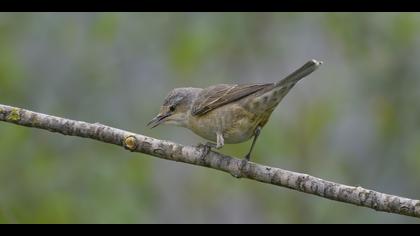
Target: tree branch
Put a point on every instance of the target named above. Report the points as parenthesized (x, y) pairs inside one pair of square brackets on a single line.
[(188, 154)]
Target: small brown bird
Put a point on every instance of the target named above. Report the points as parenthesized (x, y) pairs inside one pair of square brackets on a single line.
[(227, 113)]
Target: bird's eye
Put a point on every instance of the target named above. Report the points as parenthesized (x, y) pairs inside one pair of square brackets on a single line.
[(172, 108)]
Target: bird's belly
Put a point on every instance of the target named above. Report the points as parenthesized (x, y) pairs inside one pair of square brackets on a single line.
[(235, 123), (242, 131)]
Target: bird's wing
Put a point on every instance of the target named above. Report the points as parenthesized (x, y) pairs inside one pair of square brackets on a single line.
[(218, 95)]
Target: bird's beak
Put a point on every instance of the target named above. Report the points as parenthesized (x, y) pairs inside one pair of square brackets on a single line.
[(159, 119)]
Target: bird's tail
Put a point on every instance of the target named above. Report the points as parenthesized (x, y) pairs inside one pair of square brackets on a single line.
[(300, 73)]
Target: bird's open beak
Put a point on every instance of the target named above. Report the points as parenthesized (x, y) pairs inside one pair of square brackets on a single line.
[(159, 119)]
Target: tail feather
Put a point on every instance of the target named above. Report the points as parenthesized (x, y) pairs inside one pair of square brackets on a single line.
[(300, 73), (268, 99)]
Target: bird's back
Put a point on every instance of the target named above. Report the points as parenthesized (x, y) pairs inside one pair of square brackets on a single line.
[(218, 95)]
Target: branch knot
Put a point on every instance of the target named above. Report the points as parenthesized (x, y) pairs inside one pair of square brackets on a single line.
[(130, 143)]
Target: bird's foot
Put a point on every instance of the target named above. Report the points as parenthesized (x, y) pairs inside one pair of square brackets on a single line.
[(242, 169), (243, 165), (211, 145), (205, 149), (244, 162)]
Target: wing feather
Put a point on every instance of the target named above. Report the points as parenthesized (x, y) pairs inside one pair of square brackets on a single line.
[(218, 95)]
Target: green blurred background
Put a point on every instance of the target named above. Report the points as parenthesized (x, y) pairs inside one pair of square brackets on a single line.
[(355, 121)]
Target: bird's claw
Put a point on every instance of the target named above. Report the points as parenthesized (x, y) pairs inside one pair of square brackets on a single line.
[(205, 149), (241, 171), (244, 162), (210, 145)]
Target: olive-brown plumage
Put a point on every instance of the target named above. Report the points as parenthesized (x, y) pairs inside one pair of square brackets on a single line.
[(228, 113)]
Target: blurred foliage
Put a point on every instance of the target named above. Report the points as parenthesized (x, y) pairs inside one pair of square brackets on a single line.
[(354, 121)]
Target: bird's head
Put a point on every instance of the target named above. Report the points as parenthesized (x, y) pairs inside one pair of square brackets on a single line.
[(176, 107)]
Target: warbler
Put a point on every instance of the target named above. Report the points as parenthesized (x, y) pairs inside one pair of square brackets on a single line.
[(227, 113)]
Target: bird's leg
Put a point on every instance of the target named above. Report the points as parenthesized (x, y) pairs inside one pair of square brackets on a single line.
[(256, 134), (205, 149), (220, 140), (248, 155)]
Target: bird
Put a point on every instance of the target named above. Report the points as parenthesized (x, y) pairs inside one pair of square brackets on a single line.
[(227, 113)]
